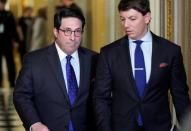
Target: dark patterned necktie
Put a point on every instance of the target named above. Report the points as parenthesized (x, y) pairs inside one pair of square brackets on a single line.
[(140, 74), (72, 86)]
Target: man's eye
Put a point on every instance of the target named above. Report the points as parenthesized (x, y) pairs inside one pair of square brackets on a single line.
[(67, 31), (122, 19), (79, 31), (132, 19)]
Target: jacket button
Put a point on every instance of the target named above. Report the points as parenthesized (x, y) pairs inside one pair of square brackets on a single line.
[(65, 126)]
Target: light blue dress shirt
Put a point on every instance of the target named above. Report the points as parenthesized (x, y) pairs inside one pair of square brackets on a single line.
[(146, 47)]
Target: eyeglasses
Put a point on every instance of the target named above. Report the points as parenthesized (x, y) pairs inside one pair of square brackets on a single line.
[(68, 32)]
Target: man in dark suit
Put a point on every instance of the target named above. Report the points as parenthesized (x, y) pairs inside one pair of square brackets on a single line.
[(42, 96), (131, 93), (8, 34), (25, 24)]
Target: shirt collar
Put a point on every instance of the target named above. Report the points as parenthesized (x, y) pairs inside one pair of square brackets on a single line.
[(62, 55), (146, 38)]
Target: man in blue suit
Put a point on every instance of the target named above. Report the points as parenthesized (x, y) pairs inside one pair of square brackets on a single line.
[(42, 95), (134, 75)]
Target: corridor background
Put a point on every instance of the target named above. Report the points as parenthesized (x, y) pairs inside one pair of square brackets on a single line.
[(170, 19)]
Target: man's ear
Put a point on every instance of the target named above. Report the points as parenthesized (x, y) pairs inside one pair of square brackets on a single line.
[(147, 17), (55, 31)]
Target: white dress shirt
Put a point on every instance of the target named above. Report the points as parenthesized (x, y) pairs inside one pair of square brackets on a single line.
[(74, 61), (146, 47)]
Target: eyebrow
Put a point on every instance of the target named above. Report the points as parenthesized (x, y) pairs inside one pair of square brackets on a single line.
[(128, 16), (70, 28)]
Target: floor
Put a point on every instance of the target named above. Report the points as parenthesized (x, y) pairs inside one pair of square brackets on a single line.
[(9, 119)]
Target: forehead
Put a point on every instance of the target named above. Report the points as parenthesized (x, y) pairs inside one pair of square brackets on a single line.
[(130, 12), (71, 22)]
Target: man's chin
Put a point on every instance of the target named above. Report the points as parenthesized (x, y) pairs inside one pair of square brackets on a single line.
[(131, 36), (71, 51)]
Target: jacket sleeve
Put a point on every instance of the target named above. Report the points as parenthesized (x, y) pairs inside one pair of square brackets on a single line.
[(179, 87), (102, 95), (23, 95)]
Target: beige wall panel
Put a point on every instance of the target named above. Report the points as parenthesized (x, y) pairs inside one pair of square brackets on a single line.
[(155, 15), (98, 24)]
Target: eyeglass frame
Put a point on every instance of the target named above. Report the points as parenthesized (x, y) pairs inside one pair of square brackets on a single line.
[(71, 31)]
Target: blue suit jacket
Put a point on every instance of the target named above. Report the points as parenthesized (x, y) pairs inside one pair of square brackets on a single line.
[(116, 101), (40, 93)]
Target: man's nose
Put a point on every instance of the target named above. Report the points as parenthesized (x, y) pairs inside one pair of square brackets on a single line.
[(72, 36), (126, 24)]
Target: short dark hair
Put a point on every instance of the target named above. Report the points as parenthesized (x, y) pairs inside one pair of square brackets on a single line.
[(65, 12), (3, 1), (27, 8), (142, 6)]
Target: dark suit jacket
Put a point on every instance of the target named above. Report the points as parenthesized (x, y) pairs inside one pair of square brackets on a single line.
[(116, 102), (10, 33), (40, 93)]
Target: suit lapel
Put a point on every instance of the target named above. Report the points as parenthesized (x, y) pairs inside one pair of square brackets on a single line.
[(126, 59), (54, 61), (84, 65), (156, 53)]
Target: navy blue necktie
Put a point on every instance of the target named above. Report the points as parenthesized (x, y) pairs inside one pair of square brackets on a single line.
[(140, 74), (72, 85)]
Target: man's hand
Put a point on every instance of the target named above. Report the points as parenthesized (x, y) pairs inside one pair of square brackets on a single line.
[(39, 127)]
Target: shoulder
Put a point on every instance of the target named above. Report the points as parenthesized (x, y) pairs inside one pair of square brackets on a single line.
[(8, 14), (115, 45), (88, 54), (21, 19), (87, 51), (165, 43), (38, 55)]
